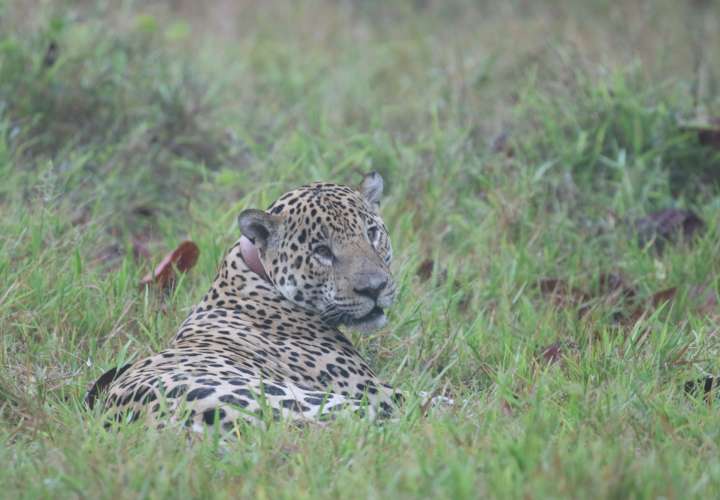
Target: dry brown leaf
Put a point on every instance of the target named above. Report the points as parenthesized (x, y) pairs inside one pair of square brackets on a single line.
[(655, 301), (506, 408), (668, 225), (663, 296), (555, 352), (183, 258), (708, 132), (552, 353), (425, 270), (702, 300)]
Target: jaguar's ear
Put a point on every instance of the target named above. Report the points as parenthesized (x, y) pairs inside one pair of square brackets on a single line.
[(372, 189), (260, 227)]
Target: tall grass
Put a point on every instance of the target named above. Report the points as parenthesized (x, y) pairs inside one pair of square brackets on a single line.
[(154, 123)]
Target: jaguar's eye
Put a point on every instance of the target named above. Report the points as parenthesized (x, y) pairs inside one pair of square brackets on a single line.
[(373, 234), (324, 254)]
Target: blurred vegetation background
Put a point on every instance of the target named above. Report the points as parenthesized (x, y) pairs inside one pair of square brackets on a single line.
[(524, 145)]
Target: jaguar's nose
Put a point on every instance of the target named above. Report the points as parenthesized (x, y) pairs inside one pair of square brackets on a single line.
[(370, 285)]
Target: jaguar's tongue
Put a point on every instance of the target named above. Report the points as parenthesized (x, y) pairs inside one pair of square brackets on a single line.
[(252, 258)]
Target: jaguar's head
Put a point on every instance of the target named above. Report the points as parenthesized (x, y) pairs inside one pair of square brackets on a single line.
[(325, 248)]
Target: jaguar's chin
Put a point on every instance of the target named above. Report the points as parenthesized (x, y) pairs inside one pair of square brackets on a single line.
[(373, 320), (369, 322)]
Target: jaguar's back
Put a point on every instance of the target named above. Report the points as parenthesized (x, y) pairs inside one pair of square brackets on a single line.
[(264, 338)]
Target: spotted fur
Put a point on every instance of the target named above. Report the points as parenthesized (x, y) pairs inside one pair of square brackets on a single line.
[(259, 345)]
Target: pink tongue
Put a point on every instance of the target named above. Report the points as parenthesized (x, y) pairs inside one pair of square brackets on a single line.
[(251, 257)]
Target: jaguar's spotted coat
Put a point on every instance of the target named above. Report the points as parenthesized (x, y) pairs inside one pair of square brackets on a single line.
[(265, 337)]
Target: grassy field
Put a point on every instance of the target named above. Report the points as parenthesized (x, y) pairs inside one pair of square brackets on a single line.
[(518, 141)]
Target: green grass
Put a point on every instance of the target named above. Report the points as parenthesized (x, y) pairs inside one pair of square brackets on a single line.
[(161, 124)]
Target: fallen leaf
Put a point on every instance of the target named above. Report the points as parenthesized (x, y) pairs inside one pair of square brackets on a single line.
[(663, 296), (183, 258), (668, 225), (655, 301), (611, 290), (708, 132), (702, 300), (555, 352), (506, 409), (425, 270), (552, 353)]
